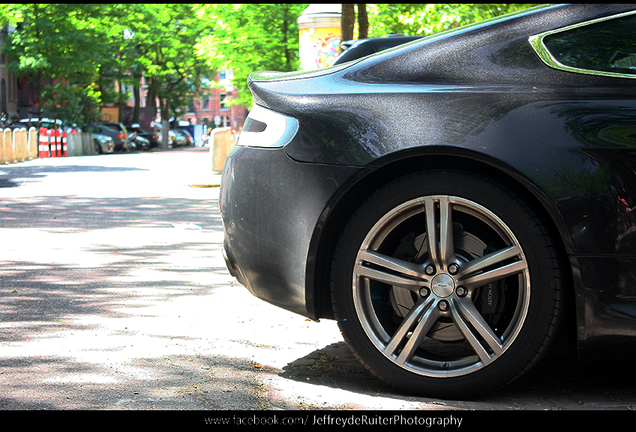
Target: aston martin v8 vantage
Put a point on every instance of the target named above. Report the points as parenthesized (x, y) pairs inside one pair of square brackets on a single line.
[(455, 202)]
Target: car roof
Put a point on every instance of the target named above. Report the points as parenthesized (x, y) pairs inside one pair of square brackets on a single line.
[(44, 120), (477, 50)]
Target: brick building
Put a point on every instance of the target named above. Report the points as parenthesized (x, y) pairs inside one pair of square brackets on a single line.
[(210, 108)]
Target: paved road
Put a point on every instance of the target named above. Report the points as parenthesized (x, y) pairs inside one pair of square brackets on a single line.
[(114, 296)]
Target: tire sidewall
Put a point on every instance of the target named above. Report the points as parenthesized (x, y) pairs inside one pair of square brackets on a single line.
[(544, 291)]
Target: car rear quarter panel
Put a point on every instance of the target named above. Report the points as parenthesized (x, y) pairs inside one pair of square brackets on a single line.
[(577, 148), (574, 149)]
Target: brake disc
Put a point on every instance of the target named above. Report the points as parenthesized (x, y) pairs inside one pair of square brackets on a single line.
[(467, 248)]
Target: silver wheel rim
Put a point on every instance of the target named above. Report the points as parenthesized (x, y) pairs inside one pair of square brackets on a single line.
[(432, 313)]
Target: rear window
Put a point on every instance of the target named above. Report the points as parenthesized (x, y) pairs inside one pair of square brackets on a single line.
[(606, 46)]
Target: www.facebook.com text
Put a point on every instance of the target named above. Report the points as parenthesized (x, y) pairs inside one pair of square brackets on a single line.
[(340, 420)]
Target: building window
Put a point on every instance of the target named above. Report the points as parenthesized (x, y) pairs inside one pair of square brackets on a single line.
[(222, 104)]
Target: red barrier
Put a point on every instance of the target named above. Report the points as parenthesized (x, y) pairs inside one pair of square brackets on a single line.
[(53, 143), (43, 144), (58, 143), (64, 149)]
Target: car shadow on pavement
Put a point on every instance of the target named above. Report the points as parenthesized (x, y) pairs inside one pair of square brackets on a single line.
[(560, 382), (335, 366)]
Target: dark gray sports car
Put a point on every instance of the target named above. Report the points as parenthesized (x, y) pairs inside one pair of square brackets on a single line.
[(455, 202)]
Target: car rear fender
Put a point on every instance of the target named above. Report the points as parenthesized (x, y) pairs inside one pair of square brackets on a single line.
[(353, 193)]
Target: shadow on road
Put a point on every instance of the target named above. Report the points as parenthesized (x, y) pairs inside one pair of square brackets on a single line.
[(79, 213), (169, 383), (559, 382)]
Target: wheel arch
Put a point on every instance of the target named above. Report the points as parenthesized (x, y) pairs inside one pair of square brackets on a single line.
[(351, 195)]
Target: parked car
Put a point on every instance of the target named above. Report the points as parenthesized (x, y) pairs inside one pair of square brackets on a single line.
[(102, 144), (116, 131), (122, 132), (152, 137), (454, 203), (16, 125), (176, 138), (138, 142), (47, 123), (359, 48), (185, 136)]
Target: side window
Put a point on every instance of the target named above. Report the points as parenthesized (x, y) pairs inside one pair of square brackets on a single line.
[(606, 46)]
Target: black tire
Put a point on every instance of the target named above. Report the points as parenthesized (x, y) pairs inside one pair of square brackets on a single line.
[(459, 322)]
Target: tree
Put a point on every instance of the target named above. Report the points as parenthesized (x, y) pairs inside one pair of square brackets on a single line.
[(424, 19), (77, 105), (52, 41), (348, 20), (363, 21), (380, 20), (174, 66), (98, 45), (119, 59), (251, 37)]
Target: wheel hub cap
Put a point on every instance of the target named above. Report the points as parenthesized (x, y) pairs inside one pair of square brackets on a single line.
[(442, 285)]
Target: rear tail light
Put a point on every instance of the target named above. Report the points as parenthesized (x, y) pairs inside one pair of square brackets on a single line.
[(267, 128)]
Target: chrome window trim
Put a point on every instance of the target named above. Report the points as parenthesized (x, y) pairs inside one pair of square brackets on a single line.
[(544, 54)]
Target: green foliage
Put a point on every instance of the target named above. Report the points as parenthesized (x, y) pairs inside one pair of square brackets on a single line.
[(250, 37), (52, 40), (425, 19), (75, 105), (98, 45), (174, 62)]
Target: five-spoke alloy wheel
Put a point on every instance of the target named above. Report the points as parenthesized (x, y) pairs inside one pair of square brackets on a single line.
[(446, 284)]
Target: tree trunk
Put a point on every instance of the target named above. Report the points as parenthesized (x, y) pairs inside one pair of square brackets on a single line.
[(39, 74), (120, 97), (165, 123), (347, 21), (363, 21), (151, 97), (288, 55), (137, 96)]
